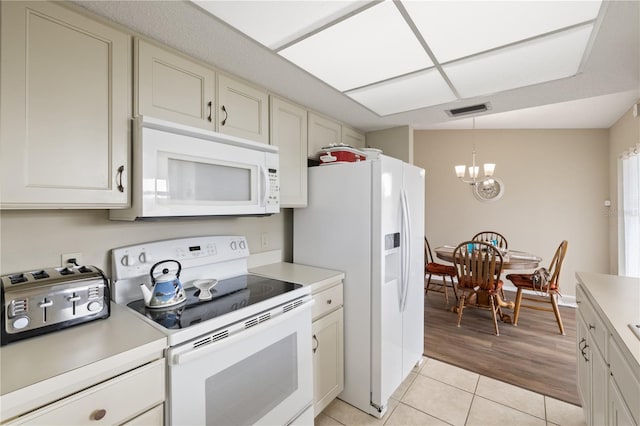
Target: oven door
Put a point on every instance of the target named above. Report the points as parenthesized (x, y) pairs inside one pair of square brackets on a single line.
[(262, 374)]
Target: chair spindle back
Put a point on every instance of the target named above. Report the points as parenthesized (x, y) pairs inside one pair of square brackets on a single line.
[(479, 268)]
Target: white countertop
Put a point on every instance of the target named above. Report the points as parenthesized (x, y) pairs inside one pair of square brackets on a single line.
[(299, 274), (617, 300), (41, 369)]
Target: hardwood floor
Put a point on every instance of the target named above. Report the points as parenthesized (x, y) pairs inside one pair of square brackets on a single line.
[(532, 355)]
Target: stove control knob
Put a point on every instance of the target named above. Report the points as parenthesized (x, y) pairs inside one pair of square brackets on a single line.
[(127, 260), (143, 258), (20, 323), (243, 245), (234, 245), (94, 306)]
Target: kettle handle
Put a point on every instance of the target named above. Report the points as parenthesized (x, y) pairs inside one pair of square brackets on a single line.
[(153, 280)]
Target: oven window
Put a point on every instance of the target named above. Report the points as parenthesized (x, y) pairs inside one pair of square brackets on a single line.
[(243, 393), (196, 181)]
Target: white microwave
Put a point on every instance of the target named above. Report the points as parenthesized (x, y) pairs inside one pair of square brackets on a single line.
[(182, 171)]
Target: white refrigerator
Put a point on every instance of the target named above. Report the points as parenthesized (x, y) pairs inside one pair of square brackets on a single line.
[(367, 219)]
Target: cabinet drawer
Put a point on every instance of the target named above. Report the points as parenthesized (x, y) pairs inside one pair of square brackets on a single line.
[(153, 417), (596, 327), (624, 377), (110, 402), (326, 301)]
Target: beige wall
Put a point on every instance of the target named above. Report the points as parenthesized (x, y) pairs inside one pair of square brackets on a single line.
[(622, 135), (31, 239), (396, 142), (556, 182)]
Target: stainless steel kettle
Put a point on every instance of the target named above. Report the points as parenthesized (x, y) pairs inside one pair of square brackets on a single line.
[(166, 289)]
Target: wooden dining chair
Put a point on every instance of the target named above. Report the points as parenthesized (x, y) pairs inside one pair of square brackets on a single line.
[(550, 289), (440, 270), (478, 272), (488, 236)]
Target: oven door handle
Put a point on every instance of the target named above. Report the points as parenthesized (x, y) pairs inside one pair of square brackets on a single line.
[(190, 355)]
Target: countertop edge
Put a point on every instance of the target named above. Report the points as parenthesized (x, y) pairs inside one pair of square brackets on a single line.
[(623, 343), (31, 397)]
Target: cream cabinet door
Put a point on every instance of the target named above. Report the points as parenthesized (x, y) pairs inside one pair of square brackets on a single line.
[(171, 87), (619, 415), (322, 132), (289, 133), (65, 109), (328, 359), (352, 137), (243, 110)]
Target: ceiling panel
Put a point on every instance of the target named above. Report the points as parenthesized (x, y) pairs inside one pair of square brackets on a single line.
[(275, 23), (419, 90), (539, 60), (366, 48), (456, 29)]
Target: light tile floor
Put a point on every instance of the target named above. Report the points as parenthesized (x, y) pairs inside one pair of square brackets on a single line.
[(436, 393)]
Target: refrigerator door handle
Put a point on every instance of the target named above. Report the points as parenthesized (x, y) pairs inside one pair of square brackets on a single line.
[(406, 249)]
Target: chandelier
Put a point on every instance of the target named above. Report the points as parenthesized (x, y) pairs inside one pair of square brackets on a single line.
[(474, 170)]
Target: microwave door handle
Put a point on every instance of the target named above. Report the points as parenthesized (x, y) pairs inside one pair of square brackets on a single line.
[(265, 180)]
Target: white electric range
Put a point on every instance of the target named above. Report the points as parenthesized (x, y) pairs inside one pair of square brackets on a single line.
[(242, 357)]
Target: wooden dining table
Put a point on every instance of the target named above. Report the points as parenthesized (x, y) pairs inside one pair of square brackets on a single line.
[(512, 259)]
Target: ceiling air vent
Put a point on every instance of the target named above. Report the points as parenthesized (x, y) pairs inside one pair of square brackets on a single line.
[(471, 109)]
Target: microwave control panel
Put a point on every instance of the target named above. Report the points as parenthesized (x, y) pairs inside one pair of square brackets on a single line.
[(273, 193)]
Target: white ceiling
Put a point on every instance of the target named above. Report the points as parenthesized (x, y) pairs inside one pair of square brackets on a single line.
[(423, 53), (606, 86)]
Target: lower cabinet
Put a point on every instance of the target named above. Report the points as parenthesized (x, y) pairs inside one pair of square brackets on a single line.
[(135, 397), (328, 346), (619, 414), (607, 384), (328, 365)]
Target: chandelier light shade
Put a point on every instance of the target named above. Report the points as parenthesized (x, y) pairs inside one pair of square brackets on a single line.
[(474, 171)]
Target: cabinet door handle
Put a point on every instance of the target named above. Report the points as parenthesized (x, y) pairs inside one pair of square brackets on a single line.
[(226, 115), (583, 340), (315, 339), (98, 414), (210, 106), (584, 355), (591, 326), (119, 178)]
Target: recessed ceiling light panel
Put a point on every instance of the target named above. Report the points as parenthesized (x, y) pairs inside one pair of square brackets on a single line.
[(540, 60), (371, 46), (275, 23), (456, 29), (406, 93)]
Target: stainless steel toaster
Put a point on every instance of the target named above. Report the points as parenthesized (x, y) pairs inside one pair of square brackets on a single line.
[(46, 300)]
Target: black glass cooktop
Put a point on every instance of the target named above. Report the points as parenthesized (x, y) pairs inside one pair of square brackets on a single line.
[(228, 295)]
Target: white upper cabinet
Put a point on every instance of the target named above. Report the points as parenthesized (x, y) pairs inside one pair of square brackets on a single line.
[(289, 133), (171, 87), (322, 132), (65, 109), (352, 137), (243, 110)]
